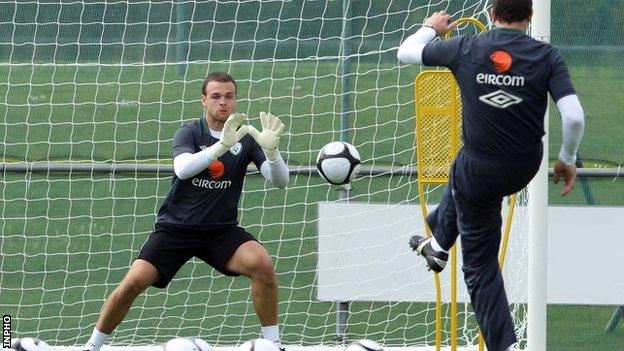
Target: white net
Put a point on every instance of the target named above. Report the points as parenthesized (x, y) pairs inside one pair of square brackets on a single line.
[(108, 82)]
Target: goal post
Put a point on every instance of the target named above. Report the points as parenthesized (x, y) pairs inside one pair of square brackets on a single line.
[(538, 212)]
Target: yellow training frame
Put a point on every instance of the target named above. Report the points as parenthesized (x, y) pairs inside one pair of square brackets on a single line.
[(438, 131)]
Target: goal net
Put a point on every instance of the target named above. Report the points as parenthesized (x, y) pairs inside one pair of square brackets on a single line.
[(91, 93)]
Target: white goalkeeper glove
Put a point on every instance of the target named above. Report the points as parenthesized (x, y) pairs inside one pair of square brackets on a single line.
[(188, 165), (231, 134), (268, 139)]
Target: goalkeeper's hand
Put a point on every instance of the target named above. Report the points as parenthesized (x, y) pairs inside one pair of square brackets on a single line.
[(272, 130), (231, 134)]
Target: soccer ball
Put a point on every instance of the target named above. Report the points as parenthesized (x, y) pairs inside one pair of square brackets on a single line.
[(30, 344), (364, 345), (338, 162), (187, 344), (259, 345)]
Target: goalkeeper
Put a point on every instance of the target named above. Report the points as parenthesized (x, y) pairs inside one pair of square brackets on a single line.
[(198, 218), (505, 77)]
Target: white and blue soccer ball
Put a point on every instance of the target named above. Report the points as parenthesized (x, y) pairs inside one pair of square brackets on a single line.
[(364, 345), (338, 162), (187, 344), (258, 345), (30, 344)]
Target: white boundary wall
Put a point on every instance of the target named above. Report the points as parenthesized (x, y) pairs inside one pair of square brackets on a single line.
[(363, 255)]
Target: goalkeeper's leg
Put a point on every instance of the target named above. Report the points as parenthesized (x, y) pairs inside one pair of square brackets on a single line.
[(141, 275), (252, 260)]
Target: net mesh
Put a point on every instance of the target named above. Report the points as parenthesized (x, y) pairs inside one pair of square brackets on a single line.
[(109, 82), (438, 124)]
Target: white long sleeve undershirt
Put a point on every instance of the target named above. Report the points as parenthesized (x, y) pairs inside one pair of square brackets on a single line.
[(572, 127), (275, 171), (187, 165), (410, 50)]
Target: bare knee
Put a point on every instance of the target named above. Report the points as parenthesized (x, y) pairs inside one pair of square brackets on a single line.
[(265, 272), (130, 288)]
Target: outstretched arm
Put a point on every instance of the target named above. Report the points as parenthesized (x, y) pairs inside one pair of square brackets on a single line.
[(274, 168)]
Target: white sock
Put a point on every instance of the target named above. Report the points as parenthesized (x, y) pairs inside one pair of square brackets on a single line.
[(97, 340), (436, 246), (272, 333)]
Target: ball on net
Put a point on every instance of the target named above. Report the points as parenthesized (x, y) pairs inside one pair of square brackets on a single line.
[(338, 162)]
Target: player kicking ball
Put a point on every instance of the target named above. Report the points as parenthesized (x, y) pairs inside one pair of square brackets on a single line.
[(198, 218), (505, 77)]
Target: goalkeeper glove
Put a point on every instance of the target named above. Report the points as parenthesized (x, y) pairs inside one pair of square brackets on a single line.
[(231, 134), (268, 139)]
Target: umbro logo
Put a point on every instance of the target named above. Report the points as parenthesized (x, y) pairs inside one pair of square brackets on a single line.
[(500, 99)]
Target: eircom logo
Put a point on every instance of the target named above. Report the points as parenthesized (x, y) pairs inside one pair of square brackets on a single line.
[(211, 184), (216, 170)]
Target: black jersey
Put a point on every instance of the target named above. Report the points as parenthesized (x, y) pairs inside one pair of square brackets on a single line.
[(504, 77), (210, 198)]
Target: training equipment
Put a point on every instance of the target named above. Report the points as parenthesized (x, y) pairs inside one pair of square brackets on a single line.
[(30, 344), (364, 345), (187, 344), (259, 345), (338, 162)]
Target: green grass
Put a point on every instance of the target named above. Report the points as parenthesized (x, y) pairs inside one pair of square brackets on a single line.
[(566, 332), (67, 240)]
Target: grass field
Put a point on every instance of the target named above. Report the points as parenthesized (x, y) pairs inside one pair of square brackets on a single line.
[(67, 239)]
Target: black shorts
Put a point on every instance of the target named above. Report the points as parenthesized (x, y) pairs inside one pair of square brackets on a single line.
[(169, 247)]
